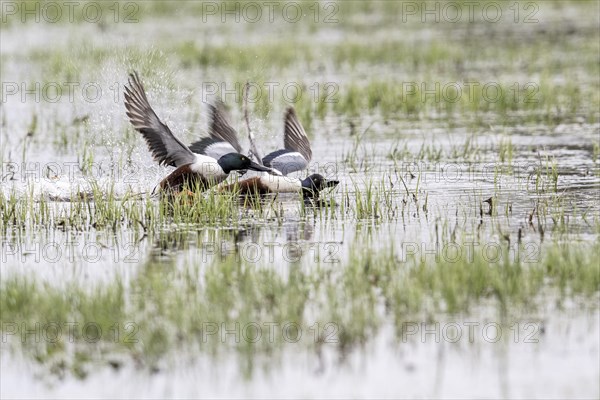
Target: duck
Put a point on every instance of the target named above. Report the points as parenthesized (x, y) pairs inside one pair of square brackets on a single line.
[(309, 187), (295, 156), (191, 169)]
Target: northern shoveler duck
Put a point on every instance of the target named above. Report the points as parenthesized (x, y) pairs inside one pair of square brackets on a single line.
[(203, 170), (310, 187), (295, 156)]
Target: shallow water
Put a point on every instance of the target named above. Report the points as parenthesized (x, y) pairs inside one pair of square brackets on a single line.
[(517, 361)]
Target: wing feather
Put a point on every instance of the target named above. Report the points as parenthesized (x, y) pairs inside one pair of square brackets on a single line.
[(294, 136), (220, 128), (164, 146)]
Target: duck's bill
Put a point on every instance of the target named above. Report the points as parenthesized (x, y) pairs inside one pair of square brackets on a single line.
[(257, 167), (331, 184)]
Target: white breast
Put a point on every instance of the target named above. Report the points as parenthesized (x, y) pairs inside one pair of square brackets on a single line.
[(281, 184), (208, 167)]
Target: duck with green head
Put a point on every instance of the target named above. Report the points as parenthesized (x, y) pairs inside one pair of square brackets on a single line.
[(191, 169), (295, 156)]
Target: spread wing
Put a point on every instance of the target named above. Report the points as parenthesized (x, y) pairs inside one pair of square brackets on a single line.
[(220, 128), (296, 153), (164, 146), (223, 138), (294, 136)]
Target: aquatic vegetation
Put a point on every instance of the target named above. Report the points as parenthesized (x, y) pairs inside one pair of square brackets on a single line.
[(166, 305)]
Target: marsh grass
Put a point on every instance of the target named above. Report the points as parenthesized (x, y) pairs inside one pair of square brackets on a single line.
[(362, 196), (169, 307), (467, 150), (426, 99)]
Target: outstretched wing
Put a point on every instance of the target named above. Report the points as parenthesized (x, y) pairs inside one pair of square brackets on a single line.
[(223, 138), (296, 153), (220, 128), (164, 146), (294, 136)]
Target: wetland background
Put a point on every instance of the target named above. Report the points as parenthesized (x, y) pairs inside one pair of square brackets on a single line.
[(458, 257)]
